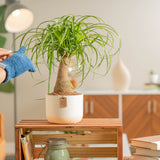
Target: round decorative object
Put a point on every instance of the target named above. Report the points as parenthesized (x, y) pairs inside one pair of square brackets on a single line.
[(56, 149), (74, 71), (121, 76), (64, 109)]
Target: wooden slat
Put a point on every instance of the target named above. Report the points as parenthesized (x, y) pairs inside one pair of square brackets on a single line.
[(120, 144), (100, 129), (18, 145), (92, 152), (95, 138), (85, 123)]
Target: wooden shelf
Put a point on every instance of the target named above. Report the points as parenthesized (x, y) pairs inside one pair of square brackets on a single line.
[(94, 131)]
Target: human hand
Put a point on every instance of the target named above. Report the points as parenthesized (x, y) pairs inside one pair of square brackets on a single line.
[(17, 64), (4, 54)]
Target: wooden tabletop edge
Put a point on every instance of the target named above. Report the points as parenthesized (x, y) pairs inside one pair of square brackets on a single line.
[(86, 122)]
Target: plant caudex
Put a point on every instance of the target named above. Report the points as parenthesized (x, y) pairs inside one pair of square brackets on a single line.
[(88, 39)]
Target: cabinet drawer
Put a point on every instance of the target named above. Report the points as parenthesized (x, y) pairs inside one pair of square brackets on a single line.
[(101, 106)]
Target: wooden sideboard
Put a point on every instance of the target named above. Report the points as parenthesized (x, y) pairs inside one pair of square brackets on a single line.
[(139, 110)]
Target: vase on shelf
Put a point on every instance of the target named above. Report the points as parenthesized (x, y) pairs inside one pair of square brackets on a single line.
[(121, 76)]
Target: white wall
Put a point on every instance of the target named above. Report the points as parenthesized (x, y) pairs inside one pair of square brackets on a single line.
[(138, 23)]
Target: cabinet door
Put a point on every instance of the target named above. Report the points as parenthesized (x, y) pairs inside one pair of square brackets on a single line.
[(156, 114), (137, 115), (101, 106)]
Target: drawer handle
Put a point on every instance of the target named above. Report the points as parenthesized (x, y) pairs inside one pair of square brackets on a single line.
[(92, 107), (86, 107), (154, 106), (149, 107)]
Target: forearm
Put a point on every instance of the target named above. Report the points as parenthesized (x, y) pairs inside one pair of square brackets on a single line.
[(3, 74)]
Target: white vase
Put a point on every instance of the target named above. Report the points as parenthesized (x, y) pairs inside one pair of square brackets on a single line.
[(64, 109), (120, 76), (154, 78)]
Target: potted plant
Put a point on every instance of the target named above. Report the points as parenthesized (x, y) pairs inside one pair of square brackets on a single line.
[(153, 77), (88, 40)]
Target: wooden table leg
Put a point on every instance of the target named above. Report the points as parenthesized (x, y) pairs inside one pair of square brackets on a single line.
[(17, 144), (120, 144)]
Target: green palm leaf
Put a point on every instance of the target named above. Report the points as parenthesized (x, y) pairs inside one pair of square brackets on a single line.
[(82, 37)]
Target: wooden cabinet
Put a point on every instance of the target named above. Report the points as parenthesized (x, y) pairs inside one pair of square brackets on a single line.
[(101, 106), (140, 112), (155, 114), (141, 115)]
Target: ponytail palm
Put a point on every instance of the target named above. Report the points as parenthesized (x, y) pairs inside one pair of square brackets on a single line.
[(88, 39)]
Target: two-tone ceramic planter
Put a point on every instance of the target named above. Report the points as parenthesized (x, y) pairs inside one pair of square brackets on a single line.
[(64, 109)]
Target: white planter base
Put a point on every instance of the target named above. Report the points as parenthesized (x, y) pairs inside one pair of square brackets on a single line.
[(64, 109), (64, 120)]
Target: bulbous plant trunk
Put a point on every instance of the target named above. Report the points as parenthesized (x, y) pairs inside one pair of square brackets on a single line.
[(63, 85)]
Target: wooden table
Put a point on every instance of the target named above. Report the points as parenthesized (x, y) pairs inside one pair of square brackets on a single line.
[(90, 131)]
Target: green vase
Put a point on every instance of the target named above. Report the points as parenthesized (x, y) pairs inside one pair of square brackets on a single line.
[(56, 149)]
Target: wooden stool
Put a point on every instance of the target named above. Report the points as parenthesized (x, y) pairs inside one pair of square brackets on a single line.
[(2, 139), (88, 131)]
